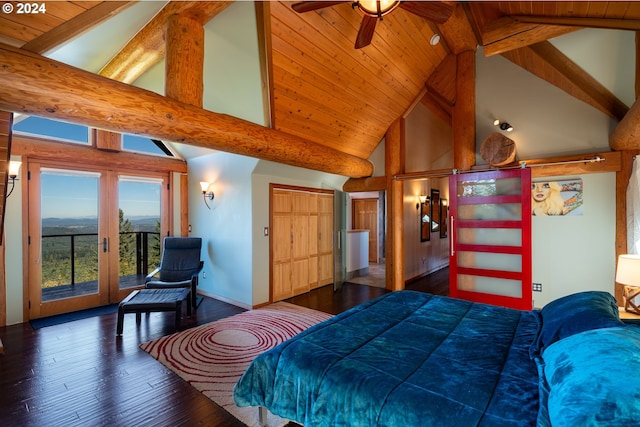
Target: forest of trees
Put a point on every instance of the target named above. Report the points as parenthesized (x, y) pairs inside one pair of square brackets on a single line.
[(57, 240)]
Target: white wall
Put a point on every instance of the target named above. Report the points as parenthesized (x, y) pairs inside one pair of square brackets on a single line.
[(428, 147), (225, 228), (13, 252), (577, 253)]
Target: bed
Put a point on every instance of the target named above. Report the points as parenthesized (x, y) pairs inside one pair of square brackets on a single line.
[(415, 359)]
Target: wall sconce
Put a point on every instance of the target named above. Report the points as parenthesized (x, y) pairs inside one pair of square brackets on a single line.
[(14, 171), (204, 185), (422, 199), (503, 125)]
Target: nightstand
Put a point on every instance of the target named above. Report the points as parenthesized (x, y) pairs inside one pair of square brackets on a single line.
[(627, 317)]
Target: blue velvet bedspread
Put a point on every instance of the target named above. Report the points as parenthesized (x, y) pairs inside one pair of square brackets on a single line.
[(404, 359)]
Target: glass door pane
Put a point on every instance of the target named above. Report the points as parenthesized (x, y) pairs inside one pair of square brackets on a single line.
[(490, 258), (139, 213), (69, 233)]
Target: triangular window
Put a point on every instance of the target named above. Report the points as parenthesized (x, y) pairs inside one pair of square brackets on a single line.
[(141, 144)]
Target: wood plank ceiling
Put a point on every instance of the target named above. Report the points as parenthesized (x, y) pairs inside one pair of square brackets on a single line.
[(325, 91)]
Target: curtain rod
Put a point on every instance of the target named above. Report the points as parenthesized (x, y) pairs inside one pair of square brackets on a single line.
[(521, 165)]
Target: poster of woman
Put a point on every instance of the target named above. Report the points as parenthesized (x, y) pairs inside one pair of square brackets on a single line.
[(556, 198)]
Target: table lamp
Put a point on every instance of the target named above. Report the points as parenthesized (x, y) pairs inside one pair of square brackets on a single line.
[(628, 275)]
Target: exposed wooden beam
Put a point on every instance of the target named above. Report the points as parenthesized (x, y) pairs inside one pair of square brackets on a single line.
[(373, 183), (583, 22), (42, 148), (441, 84), (505, 34), (394, 164), (184, 66), (565, 165), (626, 136), (457, 31), (568, 76), (437, 107), (148, 46), (464, 112), (32, 84), (76, 26)]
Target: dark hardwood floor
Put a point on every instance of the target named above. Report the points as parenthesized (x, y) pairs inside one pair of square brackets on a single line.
[(80, 374)]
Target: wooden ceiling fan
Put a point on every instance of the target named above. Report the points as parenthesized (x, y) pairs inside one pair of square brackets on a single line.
[(435, 11)]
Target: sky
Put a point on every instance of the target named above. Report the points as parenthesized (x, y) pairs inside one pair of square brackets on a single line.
[(70, 194), (75, 195)]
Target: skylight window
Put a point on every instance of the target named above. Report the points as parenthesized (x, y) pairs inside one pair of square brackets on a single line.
[(54, 129)]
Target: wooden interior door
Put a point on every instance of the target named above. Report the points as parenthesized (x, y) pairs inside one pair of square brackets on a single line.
[(365, 217), (281, 243), (300, 242), (490, 232)]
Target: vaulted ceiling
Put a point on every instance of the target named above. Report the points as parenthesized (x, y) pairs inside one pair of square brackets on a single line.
[(323, 90)]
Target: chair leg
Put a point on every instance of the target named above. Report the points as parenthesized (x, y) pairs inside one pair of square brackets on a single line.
[(120, 324), (194, 295)]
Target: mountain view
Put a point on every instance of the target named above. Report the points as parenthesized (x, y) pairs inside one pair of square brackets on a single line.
[(59, 234)]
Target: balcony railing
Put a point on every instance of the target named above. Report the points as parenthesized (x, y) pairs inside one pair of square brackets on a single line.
[(143, 239)]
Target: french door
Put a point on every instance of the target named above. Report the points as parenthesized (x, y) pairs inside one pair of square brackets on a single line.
[(490, 232), (93, 235)]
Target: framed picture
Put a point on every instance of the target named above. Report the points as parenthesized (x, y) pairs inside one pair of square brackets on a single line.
[(557, 198), (435, 210), (444, 216), (425, 221)]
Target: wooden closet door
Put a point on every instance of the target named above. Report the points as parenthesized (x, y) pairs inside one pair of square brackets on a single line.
[(281, 245), (300, 242), (313, 241)]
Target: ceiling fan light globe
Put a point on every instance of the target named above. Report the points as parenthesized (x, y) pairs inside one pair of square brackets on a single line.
[(377, 8)]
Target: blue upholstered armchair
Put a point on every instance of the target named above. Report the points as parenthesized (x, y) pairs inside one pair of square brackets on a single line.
[(179, 266)]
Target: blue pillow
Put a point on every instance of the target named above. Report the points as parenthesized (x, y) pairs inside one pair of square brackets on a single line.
[(573, 314), (593, 379)]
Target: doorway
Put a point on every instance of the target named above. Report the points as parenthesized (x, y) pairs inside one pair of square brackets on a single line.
[(368, 213), (93, 235)]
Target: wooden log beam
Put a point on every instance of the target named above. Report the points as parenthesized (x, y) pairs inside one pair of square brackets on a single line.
[(596, 93), (148, 46), (44, 149), (626, 136), (506, 34), (582, 22), (184, 67), (457, 31), (464, 112), (374, 183), (32, 84), (394, 164)]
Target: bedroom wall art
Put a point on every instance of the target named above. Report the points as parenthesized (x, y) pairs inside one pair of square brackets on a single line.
[(557, 198)]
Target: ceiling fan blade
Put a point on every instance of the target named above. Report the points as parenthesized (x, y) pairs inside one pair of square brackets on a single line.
[(308, 6), (365, 33), (435, 11)]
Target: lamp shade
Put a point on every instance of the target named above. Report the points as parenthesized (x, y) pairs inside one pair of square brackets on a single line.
[(628, 272), (377, 8), (14, 168), (204, 185)]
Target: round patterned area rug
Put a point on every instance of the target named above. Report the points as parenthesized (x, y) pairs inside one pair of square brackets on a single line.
[(212, 357)]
